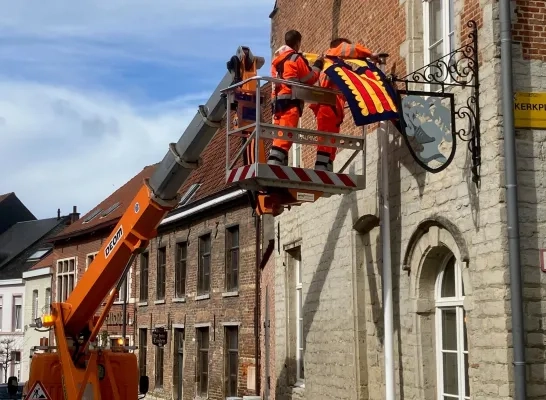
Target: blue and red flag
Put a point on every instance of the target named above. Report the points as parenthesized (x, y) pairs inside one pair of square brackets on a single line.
[(369, 94)]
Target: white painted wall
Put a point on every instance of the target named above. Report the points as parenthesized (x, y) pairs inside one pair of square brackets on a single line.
[(8, 289), (39, 280)]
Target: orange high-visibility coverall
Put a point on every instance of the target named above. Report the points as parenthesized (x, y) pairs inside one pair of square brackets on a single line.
[(330, 118), (291, 66)]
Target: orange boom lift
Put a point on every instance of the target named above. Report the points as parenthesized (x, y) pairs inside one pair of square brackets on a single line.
[(76, 368)]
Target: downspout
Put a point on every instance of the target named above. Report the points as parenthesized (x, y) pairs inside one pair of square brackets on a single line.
[(386, 268), (257, 305), (518, 339)]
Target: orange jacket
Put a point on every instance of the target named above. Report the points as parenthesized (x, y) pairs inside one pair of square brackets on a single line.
[(292, 66), (344, 51)]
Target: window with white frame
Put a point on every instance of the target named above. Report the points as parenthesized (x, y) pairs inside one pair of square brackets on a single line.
[(34, 305), (300, 346), (47, 299), (296, 340), (89, 259), (451, 335), (438, 35), (124, 290), (1, 313), (66, 278), (17, 313)]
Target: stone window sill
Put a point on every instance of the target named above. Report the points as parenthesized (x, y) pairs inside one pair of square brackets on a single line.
[(143, 304), (202, 297), (298, 388), (234, 293), (159, 302), (179, 300)]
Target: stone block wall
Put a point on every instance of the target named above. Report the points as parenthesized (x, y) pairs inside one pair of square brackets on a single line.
[(432, 216), (530, 76)]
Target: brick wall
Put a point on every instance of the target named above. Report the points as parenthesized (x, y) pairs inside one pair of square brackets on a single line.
[(529, 28), (81, 248), (221, 308), (321, 21)]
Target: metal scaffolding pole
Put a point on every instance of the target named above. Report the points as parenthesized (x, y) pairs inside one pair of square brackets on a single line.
[(383, 131)]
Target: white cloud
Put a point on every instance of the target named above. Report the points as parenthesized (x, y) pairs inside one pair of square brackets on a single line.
[(61, 147), (75, 123), (104, 18), (153, 31)]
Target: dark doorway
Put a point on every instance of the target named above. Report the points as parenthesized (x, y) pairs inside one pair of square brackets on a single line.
[(179, 361)]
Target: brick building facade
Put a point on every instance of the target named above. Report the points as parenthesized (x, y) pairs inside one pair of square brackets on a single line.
[(200, 285), (197, 280), (449, 248)]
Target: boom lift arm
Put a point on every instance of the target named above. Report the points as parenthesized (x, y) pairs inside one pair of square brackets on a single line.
[(76, 369)]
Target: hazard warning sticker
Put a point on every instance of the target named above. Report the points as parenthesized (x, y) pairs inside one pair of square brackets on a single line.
[(37, 392)]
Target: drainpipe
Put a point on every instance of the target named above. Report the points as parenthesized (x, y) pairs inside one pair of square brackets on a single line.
[(257, 305), (383, 131), (124, 308), (518, 338)]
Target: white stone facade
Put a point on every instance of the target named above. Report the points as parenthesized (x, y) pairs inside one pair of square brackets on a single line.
[(440, 223), (38, 295), (12, 297)]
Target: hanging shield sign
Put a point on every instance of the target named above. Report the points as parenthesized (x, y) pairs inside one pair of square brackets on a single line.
[(427, 123)]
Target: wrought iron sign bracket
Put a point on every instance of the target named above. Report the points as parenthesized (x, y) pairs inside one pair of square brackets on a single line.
[(424, 115)]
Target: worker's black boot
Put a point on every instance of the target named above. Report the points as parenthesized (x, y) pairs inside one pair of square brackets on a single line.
[(277, 156), (323, 162)]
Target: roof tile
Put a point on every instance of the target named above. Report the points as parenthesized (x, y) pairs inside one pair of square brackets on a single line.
[(123, 195), (45, 262), (212, 174)]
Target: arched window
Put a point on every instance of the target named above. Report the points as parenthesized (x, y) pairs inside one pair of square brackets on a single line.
[(451, 336)]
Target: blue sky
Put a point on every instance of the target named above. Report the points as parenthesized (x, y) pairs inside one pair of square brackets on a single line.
[(92, 91)]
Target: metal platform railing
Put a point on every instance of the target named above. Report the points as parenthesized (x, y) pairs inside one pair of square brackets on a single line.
[(257, 175)]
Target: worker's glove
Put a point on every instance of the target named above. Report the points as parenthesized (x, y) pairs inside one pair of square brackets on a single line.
[(374, 57), (319, 63)]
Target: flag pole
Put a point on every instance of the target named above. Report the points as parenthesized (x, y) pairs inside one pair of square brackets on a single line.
[(387, 265)]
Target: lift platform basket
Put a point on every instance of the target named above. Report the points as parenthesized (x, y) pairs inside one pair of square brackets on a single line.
[(257, 176), (305, 184)]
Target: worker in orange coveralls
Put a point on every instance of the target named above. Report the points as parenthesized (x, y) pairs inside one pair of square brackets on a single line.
[(289, 64), (330, 118)]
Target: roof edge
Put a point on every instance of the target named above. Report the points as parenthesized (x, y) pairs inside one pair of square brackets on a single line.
[(36, 273), (89, 231), (209, 202), (85, 232), (38, 240)]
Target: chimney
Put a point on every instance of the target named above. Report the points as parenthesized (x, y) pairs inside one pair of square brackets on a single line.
[(75, 215), (58, 214)]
